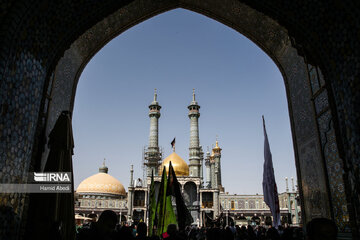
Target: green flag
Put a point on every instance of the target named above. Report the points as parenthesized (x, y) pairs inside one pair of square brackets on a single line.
[(152, 205), (164, 209)]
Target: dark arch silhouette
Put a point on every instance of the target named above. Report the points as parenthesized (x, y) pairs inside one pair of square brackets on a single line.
[(315, 46)]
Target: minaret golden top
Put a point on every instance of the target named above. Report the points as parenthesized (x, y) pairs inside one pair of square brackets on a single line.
[(217, 148), (155, 95)]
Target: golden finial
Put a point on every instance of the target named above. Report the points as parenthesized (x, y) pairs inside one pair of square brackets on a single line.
[(155, 95), (194, 94), (217, 144)]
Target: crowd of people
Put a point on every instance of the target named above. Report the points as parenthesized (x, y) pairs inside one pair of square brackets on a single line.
[(106, 228)]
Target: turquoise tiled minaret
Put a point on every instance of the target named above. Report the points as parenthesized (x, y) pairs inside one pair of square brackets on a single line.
[(152, 154), (194, 149)]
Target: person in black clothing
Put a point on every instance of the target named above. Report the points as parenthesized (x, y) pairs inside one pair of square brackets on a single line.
[(171, 232), (321, 229), (242, 233), (141, 232), (102, 229), (287, 234), (214, 233), (228, 234), (251, 233), (124, 233), (272, 234)]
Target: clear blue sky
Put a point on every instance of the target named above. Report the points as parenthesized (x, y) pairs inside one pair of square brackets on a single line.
[(235, 83)]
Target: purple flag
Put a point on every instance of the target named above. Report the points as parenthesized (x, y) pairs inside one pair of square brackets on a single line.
[(271, 197)]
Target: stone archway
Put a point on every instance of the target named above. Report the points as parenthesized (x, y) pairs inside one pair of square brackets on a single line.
[(268, 35), (36, 84)]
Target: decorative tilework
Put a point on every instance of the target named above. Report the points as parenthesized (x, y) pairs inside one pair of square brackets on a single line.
[(321, 78), (335, 172), (334, 165), (313, 79), (321, 102)]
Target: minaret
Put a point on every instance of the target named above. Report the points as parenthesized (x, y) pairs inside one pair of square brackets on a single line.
[(201, 165), (216, 184), (194, 149), (288, 195), (131, 194), (217, 159), (207, 166), (132, 176), (212, 171), (152, 155)]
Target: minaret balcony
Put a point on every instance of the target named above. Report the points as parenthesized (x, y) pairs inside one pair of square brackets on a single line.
[(152, 156), (194, 114), (154, 113)]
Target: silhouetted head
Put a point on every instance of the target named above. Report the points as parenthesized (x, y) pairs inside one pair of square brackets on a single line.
[(228, 234), (321, 229), (171, 229), (272, 233), (107, 221), (141, 229), (126, 232)]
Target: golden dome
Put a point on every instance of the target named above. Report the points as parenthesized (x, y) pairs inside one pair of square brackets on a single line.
[(180, 166), (101, 183)]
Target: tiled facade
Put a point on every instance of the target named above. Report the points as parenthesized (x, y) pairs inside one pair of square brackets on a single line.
[(87, 205), (246, 207)]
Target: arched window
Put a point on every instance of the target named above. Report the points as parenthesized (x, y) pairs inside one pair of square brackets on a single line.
[(190, 193)]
